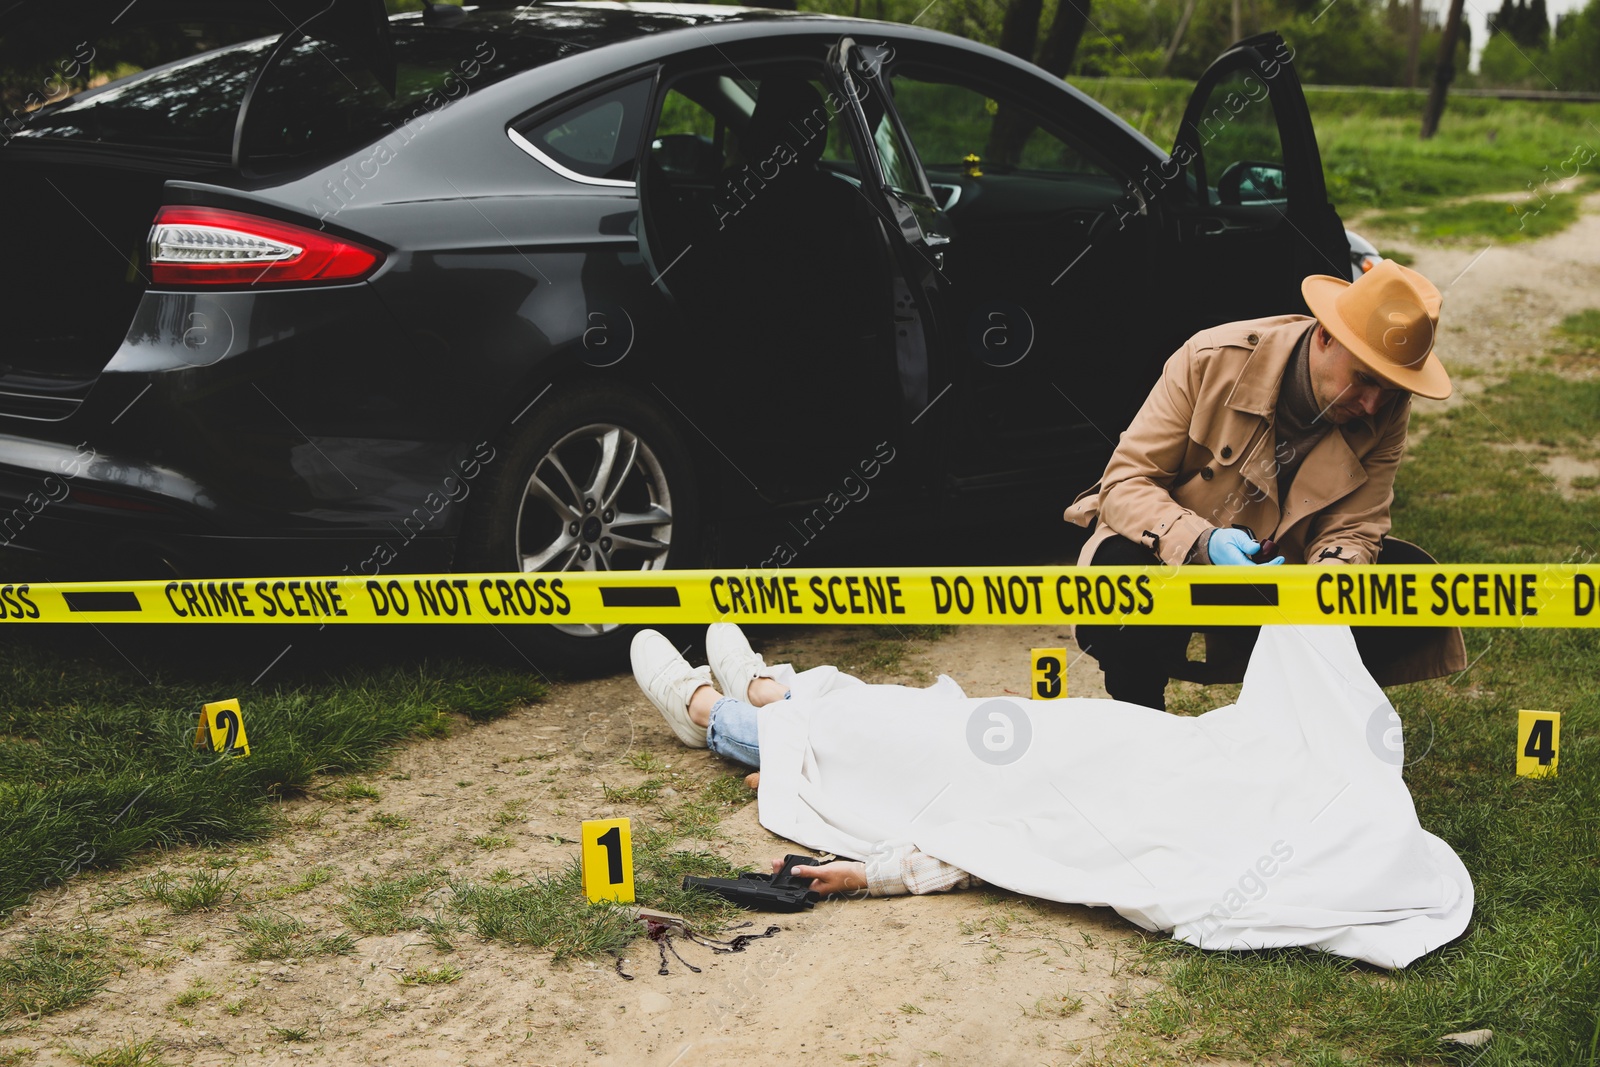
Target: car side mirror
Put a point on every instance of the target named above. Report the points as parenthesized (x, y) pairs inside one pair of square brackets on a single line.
[(1250, 182)]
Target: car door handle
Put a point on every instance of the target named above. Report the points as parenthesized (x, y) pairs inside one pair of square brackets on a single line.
[(1213, 226), (935, 240)]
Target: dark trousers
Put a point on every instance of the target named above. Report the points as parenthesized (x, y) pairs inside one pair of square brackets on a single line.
[(1138, 660)]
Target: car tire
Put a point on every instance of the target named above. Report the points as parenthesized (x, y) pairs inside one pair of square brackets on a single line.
[(595, 480)]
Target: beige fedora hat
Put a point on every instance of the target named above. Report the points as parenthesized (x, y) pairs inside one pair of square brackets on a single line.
[(1387, 320)]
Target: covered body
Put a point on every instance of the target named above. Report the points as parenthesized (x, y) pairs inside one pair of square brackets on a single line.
[(1279, 820)]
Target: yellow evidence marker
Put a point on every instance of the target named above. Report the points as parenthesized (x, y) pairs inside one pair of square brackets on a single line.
[(1049, 673), (222, 725), (1538, 743), (608, 860)]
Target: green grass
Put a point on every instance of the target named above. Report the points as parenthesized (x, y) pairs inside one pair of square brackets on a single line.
[(1479, 219), (1473, 491), (282, 937), (882, 653), (1529, 966), (351, 789), (1371, 154), (201, 890), (729, 790), (130, 1054), (383, 906), (431, 975), (1579, 335), (97, 761), (51, 971), (199, 992), (551, 912), (310, 880), (649, 789)]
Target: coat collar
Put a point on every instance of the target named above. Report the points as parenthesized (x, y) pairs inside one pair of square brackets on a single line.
[(1331, 469), (1256, 389)]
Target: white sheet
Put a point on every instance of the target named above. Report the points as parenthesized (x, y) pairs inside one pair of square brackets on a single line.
[(1279, 820)]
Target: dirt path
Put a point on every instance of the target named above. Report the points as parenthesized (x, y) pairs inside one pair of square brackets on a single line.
[(1502, 300), (971, 978), (966, 978)]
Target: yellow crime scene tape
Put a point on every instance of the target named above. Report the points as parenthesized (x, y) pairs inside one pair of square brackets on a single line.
[(1536, 595)]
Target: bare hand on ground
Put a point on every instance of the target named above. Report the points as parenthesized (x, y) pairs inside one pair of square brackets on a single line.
[(840, 876)]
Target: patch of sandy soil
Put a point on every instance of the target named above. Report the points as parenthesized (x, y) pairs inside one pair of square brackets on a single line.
[(1502, 300), (975, 977), (964, 978)]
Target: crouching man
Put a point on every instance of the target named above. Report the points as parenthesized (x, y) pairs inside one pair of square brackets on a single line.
[(1286, 430)]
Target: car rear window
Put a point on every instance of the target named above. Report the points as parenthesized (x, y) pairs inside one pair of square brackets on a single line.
[(598, 138), (317, 100)]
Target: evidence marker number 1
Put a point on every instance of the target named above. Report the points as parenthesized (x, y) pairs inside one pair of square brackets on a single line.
[(607, 860), (1538, 743), (1049, 668), (222, 727)]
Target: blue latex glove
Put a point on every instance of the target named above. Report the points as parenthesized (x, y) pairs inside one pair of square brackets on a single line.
[(1229, 547)]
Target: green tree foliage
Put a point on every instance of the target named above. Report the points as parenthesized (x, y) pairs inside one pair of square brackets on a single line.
[(1573, 62), (1528, 25), (1522, 53), (1505, 64)]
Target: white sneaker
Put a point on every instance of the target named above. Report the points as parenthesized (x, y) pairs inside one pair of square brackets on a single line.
[(669, 682), (733, 661)]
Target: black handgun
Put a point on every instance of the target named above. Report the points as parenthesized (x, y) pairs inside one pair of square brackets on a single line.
[(783, 891)]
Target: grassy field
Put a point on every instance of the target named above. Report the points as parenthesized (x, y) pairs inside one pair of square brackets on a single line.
[(1371, 154), (98, 762), (1529, 965)]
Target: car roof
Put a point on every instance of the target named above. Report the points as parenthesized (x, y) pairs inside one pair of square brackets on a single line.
[(595, 23)]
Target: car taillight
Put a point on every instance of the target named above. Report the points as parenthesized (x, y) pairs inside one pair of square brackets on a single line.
[(211, 246)]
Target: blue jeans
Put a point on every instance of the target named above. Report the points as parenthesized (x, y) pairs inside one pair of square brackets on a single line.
[(733, 733)]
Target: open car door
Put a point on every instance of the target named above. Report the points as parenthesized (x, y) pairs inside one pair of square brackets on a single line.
[(1253, 187), (895, 186)]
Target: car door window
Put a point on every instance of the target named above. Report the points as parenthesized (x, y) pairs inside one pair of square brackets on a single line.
[(688, 140), (1237, 138), (761, 236), (967, 138), (894, 157), (595, 141)]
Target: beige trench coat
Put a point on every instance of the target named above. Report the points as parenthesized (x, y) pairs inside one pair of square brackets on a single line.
[(1201, 454)]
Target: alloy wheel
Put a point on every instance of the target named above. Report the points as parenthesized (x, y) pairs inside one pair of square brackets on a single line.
[(598, 500)]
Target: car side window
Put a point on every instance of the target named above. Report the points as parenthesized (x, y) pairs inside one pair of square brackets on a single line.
[(1237, 135), (894, 156), (688, 139), (596, 140), (950, 122), (963, 133)]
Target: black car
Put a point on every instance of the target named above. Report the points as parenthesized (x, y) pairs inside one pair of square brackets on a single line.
[(604, 286)]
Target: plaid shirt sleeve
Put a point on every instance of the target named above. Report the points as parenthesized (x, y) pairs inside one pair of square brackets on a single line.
[(896, 870)]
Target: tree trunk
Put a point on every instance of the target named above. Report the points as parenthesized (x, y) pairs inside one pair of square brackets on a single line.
[(1066, 31), (1413, 44), (1019, 33), (1238, 20), (1443, 73), (1177, 34)]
